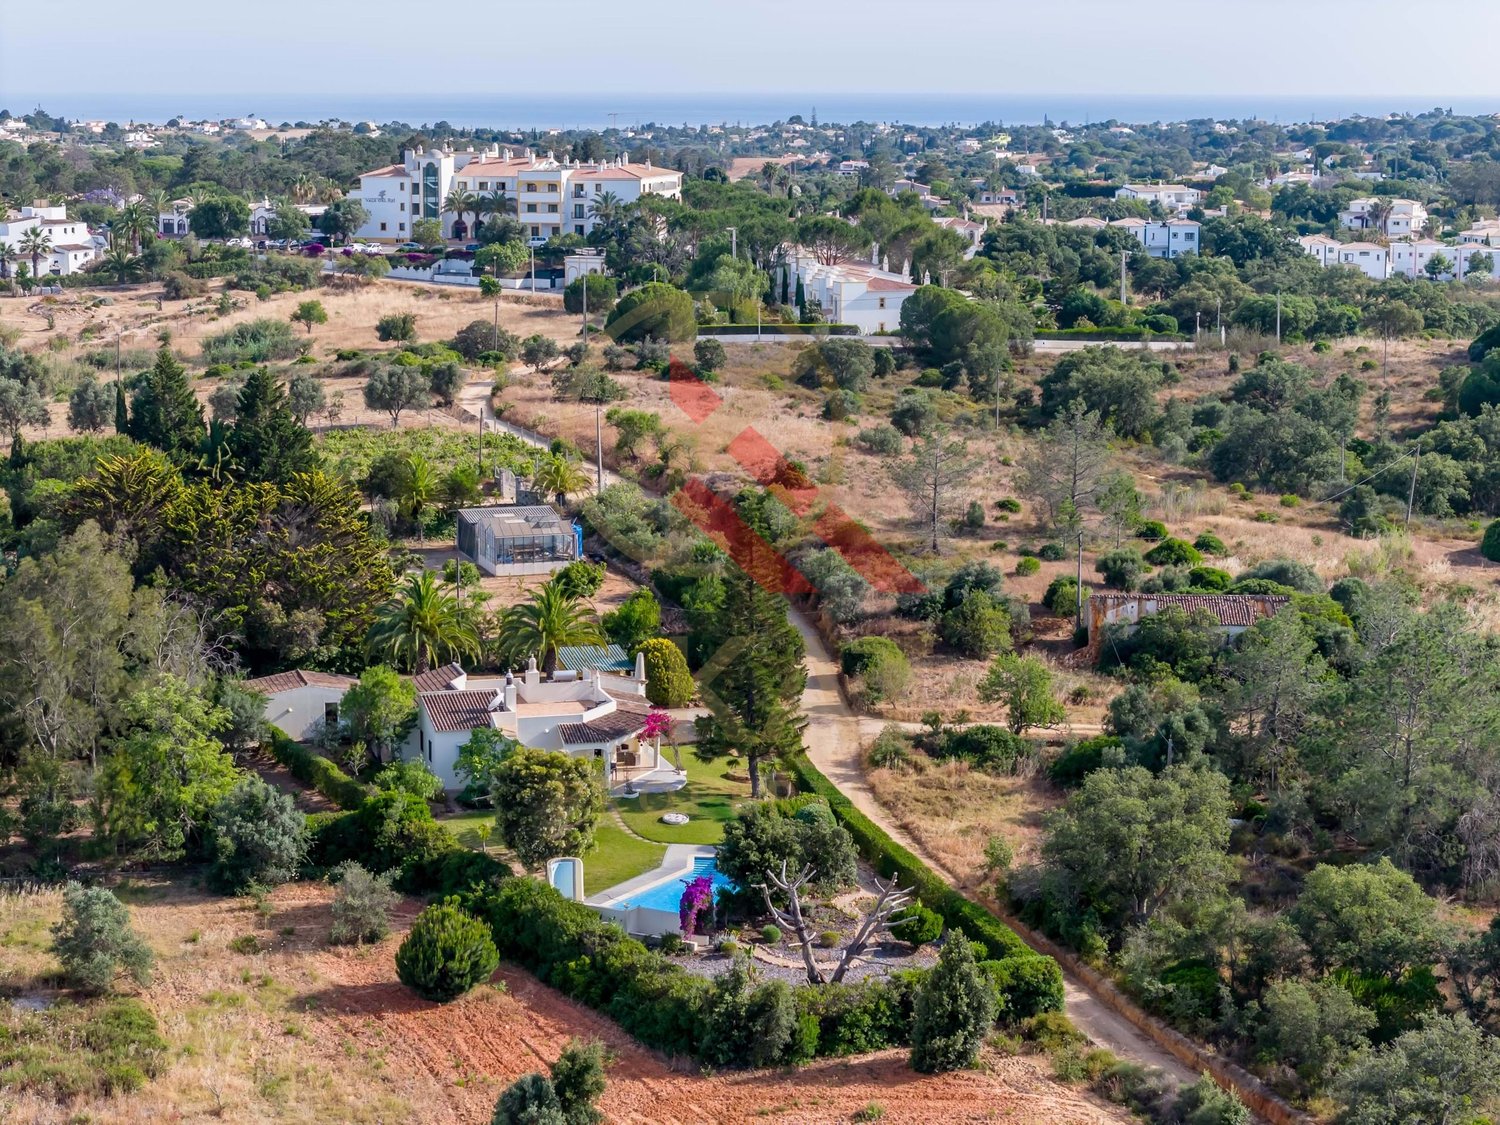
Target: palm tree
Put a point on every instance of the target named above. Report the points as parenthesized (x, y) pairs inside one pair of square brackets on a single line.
[(330, 193), (606, 209), (122, 264), (7, 256), (34, 244), (415, 490), (136, 221), (461, 201), (552, 619), (1377, 213), (304, 188), (423, 628), (559, 475), (496, 202)]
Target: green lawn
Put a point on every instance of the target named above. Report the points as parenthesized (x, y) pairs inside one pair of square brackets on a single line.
[(615, 857), (462, 825), (709, 800)]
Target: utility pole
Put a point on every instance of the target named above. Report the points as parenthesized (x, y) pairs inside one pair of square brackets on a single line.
[(1080, 578), (1122, 278), (1278, 318), (734, 241), (1219, 318), (1411, 494)]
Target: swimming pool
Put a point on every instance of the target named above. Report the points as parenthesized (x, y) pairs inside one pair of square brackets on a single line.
[(667, 895)]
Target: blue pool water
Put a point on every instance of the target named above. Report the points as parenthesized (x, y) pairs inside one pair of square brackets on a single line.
[(668, 895)]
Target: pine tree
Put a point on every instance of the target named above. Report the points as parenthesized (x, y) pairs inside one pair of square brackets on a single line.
[(760, 676), (122, 412), (267, 442), (166, 413)]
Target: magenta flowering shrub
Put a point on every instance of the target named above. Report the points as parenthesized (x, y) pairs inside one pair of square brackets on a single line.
[(659, 724), (696, 898)]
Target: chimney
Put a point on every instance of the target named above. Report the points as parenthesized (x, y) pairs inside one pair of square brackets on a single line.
[(640, 666), (533, 677), (510, 692)]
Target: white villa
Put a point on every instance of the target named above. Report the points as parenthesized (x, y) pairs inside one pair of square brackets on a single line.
[(1402, 217), (549, 196), (852, 292), (1483, 232), (1370, 258), (1174, 198), (263, 212), (1404, 257), (585, 714), (1170, 238), (72, 246), (972, 232)]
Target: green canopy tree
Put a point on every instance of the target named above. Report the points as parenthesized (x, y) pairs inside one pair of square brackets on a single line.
[(266, 442), (547, 804), (165, 413)]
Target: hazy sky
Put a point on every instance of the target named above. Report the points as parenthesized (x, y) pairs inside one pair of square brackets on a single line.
[(500, 47)]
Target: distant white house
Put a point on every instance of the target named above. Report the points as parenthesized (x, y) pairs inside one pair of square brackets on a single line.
[(1174, 198), (1482, 232), (1321, 247), (71, 246), (1401, 217), (300, 704), (851, 292), (1167, 239), (972, 232), (1370, 258), (263, 212)]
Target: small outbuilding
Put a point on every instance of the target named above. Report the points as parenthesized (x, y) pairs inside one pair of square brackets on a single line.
[(518, 539)]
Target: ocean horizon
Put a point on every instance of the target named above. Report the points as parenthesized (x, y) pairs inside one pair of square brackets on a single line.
[(631, 109)]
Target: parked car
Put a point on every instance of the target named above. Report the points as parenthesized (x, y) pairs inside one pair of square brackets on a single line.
[(410, 247)]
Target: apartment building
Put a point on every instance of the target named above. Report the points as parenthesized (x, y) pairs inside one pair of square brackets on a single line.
[(547, 196), (1168, 239), (854, 293)]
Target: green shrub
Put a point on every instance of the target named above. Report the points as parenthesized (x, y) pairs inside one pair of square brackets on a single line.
[(254, 834), (255, 341), (879, 663), (1173, 552), (1210, 578), (446, 953), (1052, 552), (1489, 546), (362, 905), (1151, 530), (916, 925), (668, 682), (1008, 504), (1028, 566), (1122, 568), (1061, 597), (1052, 1031), (94, 941), (883, 440), (1081, 759), (771, 935), (1029, 984)]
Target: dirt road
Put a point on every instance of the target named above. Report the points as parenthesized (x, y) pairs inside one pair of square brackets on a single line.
[(833, 744)]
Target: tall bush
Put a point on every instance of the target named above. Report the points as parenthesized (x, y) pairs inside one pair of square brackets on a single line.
[(956, 1007), (446, 953)]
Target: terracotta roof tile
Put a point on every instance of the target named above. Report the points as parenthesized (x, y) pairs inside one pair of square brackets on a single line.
[(437, 679), (1230, 609), (290, 681), (458, 710), (606, 728)]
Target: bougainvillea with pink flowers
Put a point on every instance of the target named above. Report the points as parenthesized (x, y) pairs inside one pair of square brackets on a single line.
[(659, 724), (696, 898)]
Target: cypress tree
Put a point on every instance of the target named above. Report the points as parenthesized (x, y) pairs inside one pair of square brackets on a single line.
[(166, 413), (122, 412), (267, 442), (753, 698)]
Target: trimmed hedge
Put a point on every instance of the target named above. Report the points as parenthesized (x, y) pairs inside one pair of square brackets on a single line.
[(317, 771), (891, 859), (1107, 333), (658, 1002), (778, 329)]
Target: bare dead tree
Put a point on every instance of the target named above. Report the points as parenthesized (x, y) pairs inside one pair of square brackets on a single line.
[(791, 918), (889, 899)]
